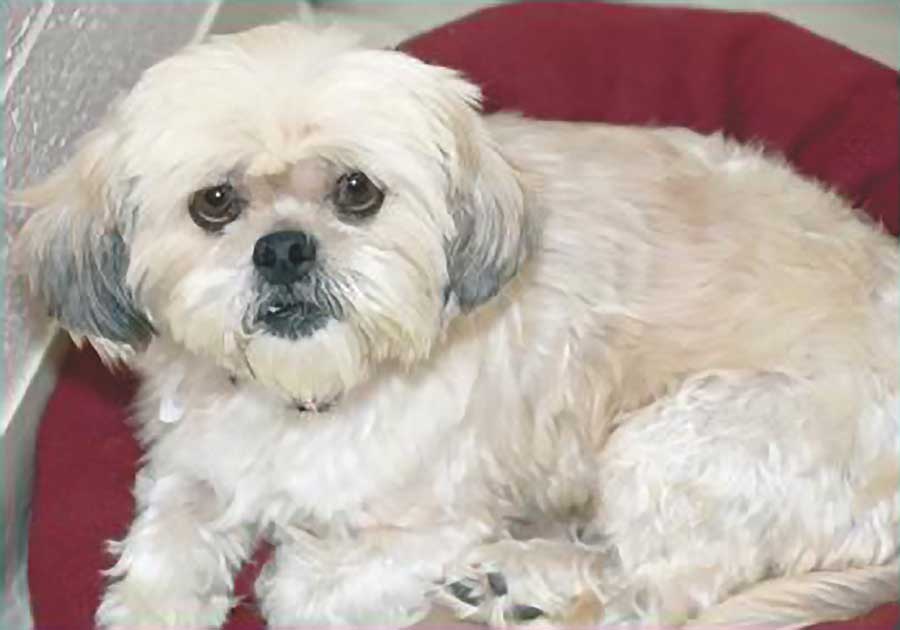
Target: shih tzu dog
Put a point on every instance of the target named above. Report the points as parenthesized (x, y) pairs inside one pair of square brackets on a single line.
[(537, 372)]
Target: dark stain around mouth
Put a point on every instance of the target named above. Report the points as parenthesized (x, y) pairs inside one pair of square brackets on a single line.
[(287, 315)]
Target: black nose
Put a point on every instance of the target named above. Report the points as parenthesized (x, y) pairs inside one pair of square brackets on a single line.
[(284, 257)]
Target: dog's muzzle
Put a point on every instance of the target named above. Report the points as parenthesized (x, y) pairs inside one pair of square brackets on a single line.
[(293, 299)]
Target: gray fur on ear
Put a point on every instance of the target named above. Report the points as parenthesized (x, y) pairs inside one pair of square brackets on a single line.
[(491, 229), (81, 279), (73, 255)]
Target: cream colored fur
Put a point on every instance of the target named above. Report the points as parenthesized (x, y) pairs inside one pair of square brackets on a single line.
[(681, 405)]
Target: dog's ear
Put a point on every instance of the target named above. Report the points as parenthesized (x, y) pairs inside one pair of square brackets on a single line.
[(73, 255), (488, 201)]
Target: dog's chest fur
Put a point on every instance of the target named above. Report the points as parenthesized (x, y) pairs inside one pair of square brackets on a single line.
[(367, 461), (370, 461)]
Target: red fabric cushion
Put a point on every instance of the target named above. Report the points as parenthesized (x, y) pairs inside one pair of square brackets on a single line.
[(830, 111)]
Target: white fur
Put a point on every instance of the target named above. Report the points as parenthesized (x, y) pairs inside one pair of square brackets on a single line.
[(686, 386)]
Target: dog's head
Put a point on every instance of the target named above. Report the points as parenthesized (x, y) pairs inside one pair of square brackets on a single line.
[(289, 205)]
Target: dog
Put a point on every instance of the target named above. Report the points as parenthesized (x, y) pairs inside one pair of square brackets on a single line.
[(530, 372)]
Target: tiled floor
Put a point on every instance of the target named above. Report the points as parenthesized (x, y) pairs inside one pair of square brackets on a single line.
[(872, 28)]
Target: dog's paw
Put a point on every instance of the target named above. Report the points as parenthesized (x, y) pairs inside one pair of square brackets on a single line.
[(484, 596), (511, 583), (126, 606)]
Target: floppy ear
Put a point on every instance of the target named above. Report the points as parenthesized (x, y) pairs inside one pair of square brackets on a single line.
[(488, 202), (73, 255)]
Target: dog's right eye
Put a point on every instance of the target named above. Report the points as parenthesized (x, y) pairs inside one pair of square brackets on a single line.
[(215, 207)]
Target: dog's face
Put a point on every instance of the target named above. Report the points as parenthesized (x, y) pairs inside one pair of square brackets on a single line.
[(283, 203)]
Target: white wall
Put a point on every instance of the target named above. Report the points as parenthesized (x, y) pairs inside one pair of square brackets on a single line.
[(64, 62)]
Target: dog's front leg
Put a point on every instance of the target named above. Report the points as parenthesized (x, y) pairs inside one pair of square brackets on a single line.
[(378, 575), (176, 564)]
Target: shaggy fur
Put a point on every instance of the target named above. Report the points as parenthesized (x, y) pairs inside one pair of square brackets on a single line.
[(572, 373)]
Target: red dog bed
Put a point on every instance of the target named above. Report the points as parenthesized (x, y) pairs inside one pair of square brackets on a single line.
[(831, 112)]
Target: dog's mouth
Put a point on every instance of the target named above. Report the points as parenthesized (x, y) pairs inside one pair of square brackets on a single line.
[(287, 315), (282, 309)]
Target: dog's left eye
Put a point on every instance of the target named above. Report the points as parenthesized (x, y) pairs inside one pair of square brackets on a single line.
[(214, 208), (355, 195)]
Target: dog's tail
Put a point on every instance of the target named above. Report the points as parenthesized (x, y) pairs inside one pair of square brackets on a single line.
[(803, 600)]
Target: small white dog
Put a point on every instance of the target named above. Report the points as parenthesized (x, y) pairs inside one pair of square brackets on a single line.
[(538, 372)]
